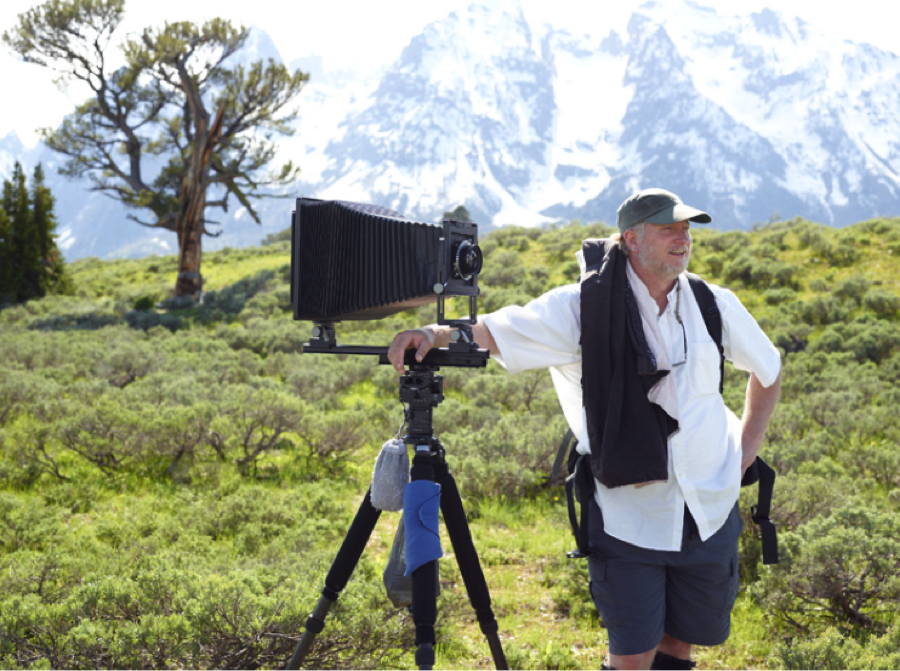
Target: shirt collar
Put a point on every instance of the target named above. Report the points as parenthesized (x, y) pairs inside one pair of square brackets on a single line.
[(646, 302)]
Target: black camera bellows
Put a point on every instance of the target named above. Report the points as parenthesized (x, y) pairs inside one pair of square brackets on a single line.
[(358, 261)]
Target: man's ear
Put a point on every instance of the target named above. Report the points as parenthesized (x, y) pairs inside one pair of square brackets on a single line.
[(631, 239)]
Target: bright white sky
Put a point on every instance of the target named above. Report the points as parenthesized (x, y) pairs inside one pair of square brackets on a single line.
[(359, 34)]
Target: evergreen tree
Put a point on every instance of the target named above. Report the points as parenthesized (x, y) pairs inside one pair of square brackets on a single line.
[(44, 219), (53, 278), (25, 245), (30, 264), (459, 213), (9, 199), (7, 274)]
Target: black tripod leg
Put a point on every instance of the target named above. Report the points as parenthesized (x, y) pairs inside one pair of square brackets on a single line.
[(467, 558), (424, 580), (424, 611), (341, 569)]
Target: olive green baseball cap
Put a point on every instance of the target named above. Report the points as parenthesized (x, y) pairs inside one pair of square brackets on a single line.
[(657, 206)]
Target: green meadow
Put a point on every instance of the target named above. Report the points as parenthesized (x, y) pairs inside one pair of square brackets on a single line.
[(175, 479)]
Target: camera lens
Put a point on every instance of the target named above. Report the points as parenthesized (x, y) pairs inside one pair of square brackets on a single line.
[(468, 260)]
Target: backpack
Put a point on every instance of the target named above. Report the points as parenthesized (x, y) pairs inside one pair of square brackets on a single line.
[(580, 482)]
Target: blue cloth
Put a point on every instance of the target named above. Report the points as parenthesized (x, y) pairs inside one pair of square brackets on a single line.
[(421, 504)]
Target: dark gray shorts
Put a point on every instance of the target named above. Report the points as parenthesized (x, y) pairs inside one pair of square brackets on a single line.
[(642, 593)]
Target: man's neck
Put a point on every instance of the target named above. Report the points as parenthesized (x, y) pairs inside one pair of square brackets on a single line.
[(659, 288)]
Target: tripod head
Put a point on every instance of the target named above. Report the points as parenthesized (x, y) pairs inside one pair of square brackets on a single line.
[(422, 391)]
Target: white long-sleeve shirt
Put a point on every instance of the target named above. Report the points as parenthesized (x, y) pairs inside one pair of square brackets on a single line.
[(704, 454)]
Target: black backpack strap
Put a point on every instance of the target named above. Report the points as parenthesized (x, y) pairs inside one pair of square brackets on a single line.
[(568, 443), (762, 509), (712, 317), (580, 486)]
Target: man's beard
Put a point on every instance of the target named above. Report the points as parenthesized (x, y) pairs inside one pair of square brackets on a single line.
[(667, 267)]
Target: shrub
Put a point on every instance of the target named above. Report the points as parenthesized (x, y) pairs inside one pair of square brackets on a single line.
[(103, 432), (853, 288), (510, 459), (837, 570), (19, 389), (822, 310), (833, 649), (502, 269), (781, 295), (145, 303), (882, 303), (257, 421)]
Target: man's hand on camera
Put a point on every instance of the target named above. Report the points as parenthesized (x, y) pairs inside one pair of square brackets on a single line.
[(421, 340)]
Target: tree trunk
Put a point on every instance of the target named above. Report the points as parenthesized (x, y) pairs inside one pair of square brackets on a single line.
[(190, 235), (191, 220)]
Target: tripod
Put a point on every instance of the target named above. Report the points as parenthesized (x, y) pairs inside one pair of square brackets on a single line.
[(423, 391)]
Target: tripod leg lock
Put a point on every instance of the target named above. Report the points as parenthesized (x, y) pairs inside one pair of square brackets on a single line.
[(314, 625), (489, 626)]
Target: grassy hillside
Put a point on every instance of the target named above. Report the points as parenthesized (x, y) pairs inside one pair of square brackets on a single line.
[(175, 481)]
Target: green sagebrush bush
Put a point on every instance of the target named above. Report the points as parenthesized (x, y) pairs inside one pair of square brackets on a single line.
[(561, 243), (322, 379), (779, 295), (67, 358), (836, 397), (511, 458), (882, 303), (164, 616), (207, 580), (835, 650), (836, 253), (872, 340), (759, 272), (852, 289), (821, 311), (227, 303), (146, 319), (20, 389), (145, 303), (841, 569)]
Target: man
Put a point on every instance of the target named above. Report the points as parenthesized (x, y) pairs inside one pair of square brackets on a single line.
[(638, 375)]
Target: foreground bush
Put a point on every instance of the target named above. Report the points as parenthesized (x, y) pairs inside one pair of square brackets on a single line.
[(222, 580)]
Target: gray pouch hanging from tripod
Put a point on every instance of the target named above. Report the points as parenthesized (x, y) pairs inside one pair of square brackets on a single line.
[(391, 475), (398, 585)]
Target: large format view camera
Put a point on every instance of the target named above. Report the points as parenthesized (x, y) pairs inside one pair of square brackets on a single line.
[(356, 261)]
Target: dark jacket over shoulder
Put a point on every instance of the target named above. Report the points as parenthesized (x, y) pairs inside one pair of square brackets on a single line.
[(628, 433)]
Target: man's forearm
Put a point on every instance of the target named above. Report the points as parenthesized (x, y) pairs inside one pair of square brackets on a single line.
[(758, 407)]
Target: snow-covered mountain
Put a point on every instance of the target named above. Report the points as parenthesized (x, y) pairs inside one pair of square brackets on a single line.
[(750, 117)]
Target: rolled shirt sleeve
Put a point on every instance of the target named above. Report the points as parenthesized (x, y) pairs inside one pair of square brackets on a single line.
[(744, 342), (545, 332)]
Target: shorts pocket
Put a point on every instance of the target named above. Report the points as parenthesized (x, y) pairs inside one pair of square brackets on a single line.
[(601, 593), (734, 585)]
